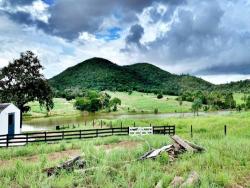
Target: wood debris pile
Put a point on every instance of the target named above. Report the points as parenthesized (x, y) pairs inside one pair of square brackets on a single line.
[(180, 146), (193, 180), (70, 165)]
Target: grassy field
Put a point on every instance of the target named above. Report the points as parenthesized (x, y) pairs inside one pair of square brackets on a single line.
[(141, 102), (135, 103), (111, 161), (238, 97)]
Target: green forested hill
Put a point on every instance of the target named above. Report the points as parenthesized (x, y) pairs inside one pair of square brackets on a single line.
[(242, 86), (165, 81), (96, 73), (101, 74)]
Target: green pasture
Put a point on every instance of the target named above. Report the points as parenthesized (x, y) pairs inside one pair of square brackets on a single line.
[(225, 163)]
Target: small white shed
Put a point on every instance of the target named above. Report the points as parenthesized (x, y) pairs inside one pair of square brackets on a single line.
[(9, 119)]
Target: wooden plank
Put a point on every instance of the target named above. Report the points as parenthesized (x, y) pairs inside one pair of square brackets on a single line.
[(198, 148), (156, 152), (182, 143)]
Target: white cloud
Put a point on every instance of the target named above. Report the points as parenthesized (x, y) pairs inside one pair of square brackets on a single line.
[(220, 79), (153, 28), (171, 42), (38, 10)]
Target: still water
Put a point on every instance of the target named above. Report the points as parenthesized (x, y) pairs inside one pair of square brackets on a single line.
[(51, 123)]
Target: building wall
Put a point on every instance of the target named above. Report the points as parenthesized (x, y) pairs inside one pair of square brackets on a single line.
[(4, 119)]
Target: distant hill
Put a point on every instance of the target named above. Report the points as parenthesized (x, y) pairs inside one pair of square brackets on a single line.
[(101, 74), (242, 86)]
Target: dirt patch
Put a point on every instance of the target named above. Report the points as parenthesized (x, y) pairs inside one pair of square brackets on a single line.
[(246, 181), (55, 156), (122, 144)]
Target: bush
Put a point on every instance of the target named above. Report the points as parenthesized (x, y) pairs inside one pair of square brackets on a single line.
[(156, 110), (159, 96), (206, 108)]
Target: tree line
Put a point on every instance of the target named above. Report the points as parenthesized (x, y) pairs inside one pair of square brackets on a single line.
[(215, 100)]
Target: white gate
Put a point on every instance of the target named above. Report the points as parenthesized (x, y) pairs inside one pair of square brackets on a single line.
[(135, 131)]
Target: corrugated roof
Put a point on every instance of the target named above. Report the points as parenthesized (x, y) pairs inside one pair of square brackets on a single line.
[(3, 106)]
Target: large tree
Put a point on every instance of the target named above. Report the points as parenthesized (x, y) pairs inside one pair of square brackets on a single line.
[(22, 81)]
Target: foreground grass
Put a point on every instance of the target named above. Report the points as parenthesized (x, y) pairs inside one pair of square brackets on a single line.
[(225, 163)]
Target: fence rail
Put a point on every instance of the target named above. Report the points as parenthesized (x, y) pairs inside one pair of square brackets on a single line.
[(25, 138)]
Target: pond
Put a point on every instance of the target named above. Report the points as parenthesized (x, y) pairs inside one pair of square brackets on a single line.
[(42, 124)]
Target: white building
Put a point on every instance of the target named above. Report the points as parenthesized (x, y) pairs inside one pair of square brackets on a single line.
[(9, 119)]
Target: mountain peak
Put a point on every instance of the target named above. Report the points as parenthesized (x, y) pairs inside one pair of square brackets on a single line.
[(101, 74), (98, 60)]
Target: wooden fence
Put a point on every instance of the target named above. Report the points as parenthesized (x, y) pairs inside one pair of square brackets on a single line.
[(25, 138)]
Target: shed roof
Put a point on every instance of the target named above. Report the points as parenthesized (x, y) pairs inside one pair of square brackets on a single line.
[(3, 106)]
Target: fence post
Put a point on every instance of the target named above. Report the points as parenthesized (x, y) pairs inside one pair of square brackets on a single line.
[(225, 130), (96, 132), (112, 130), (134, 124), (80, 134), (85, 123), (191, 129), (164, 129), (7, 141), (27, 139), (93, 123), (45, 136), (150, 125), (62, 135)]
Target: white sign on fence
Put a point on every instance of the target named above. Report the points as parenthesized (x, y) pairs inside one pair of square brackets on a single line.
[(135, 131)]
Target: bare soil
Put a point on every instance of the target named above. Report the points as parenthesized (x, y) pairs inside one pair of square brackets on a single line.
[(55, 156)]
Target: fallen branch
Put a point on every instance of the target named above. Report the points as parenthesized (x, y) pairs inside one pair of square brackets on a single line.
[(67, 165)]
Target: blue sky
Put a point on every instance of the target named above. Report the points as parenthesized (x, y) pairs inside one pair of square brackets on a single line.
[(49, 2), (210, 39)]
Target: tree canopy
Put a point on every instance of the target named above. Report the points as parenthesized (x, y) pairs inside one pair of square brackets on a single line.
[(22, 81), (93, 101)]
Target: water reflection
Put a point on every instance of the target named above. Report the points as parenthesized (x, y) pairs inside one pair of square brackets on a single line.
[(51, 123)]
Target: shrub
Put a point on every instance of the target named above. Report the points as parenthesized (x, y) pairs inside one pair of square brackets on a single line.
[(156, 110), (159, 96)]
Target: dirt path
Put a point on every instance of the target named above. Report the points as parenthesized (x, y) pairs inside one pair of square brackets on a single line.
[(55, 156)]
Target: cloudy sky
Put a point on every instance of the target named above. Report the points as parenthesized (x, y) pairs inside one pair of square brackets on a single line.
[(206, 38)]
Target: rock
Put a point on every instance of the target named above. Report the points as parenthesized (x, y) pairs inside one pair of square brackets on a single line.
[(159, 184), (192, 179), (177, 181)]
